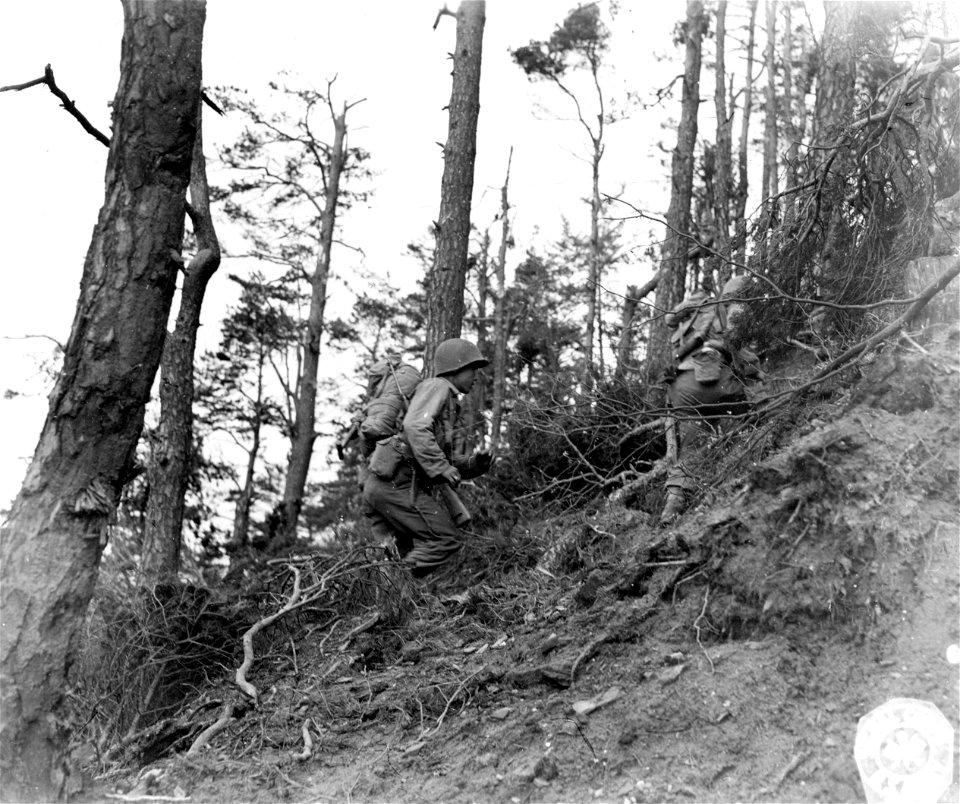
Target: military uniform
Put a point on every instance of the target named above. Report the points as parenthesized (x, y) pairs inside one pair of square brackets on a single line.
[(407, 504), (705, 389)]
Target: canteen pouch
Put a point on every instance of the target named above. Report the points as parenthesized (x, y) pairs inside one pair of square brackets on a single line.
[(385, 459), (707, 365)]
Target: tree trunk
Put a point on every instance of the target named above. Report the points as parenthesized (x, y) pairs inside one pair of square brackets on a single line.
[(50, 548), (740, 216), (672, 272), (724, 150), (241, 518), (593, 278), (500, 317), (478, 395), (625, 345), (304, 429), (833, 109), (169, 470), (768, 183), (448, 273)]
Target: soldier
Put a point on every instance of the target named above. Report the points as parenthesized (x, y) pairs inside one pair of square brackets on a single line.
[(705, 388), (408, 472)]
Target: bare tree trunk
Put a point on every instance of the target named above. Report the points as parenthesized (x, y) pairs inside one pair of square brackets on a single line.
[(673, 258), (169, 469), (768, 188), (796, 93), (724, 149), (304, 428), (742, 182), (593, 278), (241, 518), (478, 396), (625, 346), (51, 545), (500, 317), (448, 274)]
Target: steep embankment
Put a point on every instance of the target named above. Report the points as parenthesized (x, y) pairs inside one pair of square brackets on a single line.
[(728, 658)]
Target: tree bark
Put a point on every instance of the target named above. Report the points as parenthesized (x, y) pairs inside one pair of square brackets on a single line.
[(744, 142), (625, 345), (673, 258), (50, 548), (500, 317), (724, 149), (169, 470), (448, 273), (768, 183), (304, 430)]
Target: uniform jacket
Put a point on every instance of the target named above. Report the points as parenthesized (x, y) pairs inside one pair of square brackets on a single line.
[(435, 431)]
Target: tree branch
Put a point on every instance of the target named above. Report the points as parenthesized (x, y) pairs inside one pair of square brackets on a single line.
[(68, 104)]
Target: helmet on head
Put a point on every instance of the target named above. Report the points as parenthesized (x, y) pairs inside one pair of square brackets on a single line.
[(455, 354), (734, 286)]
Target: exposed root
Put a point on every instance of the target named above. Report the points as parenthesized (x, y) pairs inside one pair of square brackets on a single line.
[(215, 728), (307, 751), (248, 657)]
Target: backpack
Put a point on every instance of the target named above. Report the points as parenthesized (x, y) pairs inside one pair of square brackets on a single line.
[(390, 386)]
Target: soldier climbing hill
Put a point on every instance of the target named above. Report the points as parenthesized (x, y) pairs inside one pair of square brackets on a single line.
[(409, 472)]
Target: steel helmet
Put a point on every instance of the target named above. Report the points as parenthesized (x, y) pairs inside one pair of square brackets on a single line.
[(456, 353)]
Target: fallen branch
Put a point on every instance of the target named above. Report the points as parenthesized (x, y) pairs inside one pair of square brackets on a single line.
[(248, 657), (307, 751), (216, 727), (857, 349)]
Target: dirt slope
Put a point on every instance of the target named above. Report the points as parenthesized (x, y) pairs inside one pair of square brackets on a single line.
[(726, 659)]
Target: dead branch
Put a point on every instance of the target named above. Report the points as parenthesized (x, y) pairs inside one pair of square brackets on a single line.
[(68, 104), (443, 12), (307, 751), (248, 657), (857, 349), (643, 428), (657, 472), (215, 728), (366, 625)]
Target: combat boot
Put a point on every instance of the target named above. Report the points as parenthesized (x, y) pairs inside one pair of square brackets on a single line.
[(675, 505)]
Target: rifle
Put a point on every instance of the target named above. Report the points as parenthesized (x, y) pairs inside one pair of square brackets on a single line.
[(455, 506), (345, 440)]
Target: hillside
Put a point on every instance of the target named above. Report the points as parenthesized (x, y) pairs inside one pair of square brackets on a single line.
[(727, 658)]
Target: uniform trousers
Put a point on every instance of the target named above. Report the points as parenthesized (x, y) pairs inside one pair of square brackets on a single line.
[(425, 533), (700, 409)]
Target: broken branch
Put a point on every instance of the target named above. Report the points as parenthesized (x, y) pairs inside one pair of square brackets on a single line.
[(68, 104)]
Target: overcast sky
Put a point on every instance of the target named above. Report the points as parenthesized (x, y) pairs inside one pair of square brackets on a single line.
[(382, 50)]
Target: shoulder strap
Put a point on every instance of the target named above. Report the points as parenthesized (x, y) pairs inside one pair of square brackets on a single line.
[(396, 379)]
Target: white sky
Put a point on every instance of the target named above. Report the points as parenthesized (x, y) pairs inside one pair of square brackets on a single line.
[(383, 50)]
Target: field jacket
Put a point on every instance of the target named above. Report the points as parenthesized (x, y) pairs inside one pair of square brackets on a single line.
[(435, 431)]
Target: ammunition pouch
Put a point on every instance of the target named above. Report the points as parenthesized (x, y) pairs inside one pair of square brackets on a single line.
[(708, 365)]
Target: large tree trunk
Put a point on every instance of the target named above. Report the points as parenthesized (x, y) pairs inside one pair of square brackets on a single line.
[(304, 430), (673, 258), (724, 149), (169, 470), (448, 273), (51, 546)]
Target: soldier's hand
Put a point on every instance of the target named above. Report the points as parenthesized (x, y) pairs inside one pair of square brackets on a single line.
[(451, 476), (482, 461)]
